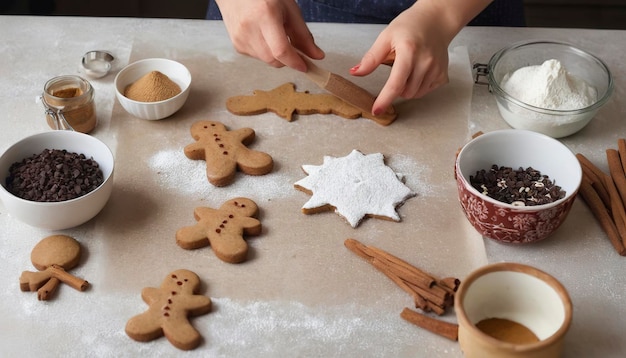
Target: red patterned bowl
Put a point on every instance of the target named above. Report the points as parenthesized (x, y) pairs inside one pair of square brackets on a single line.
[(516, 148)]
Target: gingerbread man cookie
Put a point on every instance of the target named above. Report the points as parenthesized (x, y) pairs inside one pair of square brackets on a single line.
[(223, 229), (225, 152), (285, 101), (169, 311)]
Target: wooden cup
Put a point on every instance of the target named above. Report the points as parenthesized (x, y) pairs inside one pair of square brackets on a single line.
[(518, 293)]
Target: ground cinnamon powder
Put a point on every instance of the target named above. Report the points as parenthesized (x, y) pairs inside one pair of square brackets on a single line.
[(79, 113), (152, 87), (507, 331)]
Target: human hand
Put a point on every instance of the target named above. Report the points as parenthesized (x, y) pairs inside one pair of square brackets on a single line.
[(270, 30), (420, 44)]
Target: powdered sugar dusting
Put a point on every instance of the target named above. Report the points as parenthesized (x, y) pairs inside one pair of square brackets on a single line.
[(357, 185), (173, 170)]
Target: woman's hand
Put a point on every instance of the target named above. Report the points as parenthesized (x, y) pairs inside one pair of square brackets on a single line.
[(419, 37), (270, 30)]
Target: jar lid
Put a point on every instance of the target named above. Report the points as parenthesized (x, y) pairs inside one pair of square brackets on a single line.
[(97, 64)]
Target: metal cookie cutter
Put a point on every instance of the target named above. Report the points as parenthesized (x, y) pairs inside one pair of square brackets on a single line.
[(97, 64)]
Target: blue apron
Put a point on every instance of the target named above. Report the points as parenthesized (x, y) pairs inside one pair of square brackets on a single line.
[(498, 13)]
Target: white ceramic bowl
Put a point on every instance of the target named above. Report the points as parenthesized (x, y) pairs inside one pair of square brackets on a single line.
[(64, 214), (176, 72), (555, 123), (516, 148), (518, 293)]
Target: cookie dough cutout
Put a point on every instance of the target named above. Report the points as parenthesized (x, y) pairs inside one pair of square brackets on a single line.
[(52, 256), (225, 152), (223, 229), (355, 187), (170, 307), (285, 101)]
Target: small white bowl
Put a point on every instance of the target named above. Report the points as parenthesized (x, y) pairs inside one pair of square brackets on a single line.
[(551, 122), (63, 214), (176, 72)]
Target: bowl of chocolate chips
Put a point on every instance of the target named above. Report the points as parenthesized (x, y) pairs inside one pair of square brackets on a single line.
[(516, 186), (56, 180)]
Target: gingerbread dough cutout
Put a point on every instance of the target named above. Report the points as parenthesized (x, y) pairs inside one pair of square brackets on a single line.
[(169, 309), (223, 229), (52, 256), (285, 101), (225, 152)]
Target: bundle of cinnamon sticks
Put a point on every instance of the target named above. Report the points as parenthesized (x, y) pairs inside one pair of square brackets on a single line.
[(605, 193), (429, 293)]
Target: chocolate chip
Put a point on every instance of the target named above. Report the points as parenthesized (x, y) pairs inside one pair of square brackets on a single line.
[(54, 175), (521, 187)]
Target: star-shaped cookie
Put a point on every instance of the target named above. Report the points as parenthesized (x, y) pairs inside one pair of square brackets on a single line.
[(355, 186)]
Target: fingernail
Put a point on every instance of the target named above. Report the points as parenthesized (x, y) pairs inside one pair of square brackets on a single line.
[(377, 111), (355, 68)]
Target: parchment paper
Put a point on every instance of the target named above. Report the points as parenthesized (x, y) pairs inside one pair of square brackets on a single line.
[(301, 292)]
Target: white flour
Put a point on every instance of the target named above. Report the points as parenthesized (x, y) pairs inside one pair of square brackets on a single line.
[(550, 86)]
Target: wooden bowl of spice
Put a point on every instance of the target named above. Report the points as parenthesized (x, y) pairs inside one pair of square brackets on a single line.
[(516, 186), (153, 88), (512, 310)]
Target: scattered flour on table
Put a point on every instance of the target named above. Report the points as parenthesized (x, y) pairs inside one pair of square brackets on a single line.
[(289, 328), (177, 172), (550, 86), (412, 173), (174, 171)]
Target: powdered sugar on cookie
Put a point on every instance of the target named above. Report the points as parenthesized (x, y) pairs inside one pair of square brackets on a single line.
[(355, 186)]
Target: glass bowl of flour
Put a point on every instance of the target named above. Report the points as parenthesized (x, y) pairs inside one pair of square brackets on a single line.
[(548, 87)]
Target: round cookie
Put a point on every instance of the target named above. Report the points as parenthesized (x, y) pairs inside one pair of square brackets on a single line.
[(52, 256), (58, 250)]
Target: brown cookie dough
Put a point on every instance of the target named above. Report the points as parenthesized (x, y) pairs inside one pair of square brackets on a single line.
[(169, 309), (223, 229), (285, 101), (225, 152)]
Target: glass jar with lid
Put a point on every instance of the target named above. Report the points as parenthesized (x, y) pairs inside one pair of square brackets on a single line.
[(69, 103)]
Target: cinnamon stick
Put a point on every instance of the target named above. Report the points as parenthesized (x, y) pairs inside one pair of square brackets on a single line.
[(618, 212), (425, 279), (621, 149), (442, 328), (429, 293), (420, 302), (438, 310), (451, 283), (595, 176), (65, 277), (617, 172), (587, 163), (598, 209), (358, 248)]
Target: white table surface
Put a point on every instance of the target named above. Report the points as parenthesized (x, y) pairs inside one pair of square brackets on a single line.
[(300, 293)]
